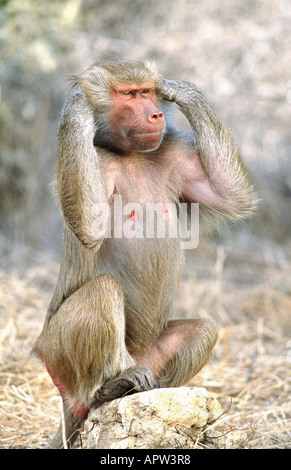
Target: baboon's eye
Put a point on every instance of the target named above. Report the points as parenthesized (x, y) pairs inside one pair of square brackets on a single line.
[(126, 92)]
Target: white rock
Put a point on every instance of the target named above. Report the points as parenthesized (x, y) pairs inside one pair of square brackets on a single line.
[(165, 418)]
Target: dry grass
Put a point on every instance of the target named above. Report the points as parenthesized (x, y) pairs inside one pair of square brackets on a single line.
[(250, 370), (247, 294), (28, 402)]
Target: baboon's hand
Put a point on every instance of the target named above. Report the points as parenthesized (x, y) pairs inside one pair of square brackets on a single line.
[(179, 91), (168, 89), (133, 380)]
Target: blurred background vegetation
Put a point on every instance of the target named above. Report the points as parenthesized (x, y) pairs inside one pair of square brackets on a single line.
[(237, 52)]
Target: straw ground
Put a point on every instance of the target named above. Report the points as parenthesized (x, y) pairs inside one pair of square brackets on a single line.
[(245, 290)]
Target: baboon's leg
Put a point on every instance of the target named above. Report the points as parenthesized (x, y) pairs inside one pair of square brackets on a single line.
[(180, 351), (83, 347)]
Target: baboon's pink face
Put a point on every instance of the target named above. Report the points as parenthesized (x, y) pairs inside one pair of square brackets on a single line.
[(137, 124)]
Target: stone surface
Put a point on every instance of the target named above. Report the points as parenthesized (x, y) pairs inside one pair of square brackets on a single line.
[(169, 418)]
